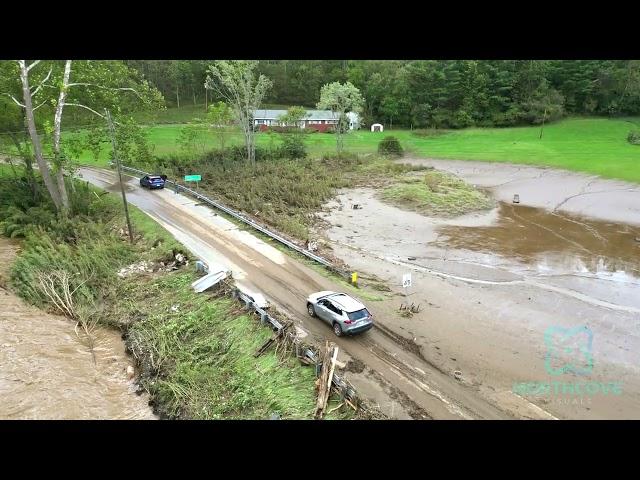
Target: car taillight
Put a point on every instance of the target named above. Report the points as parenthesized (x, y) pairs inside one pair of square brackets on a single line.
[(348, 322)]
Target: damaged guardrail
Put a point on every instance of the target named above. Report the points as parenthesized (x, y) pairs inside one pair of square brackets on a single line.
[(238, 216), (304, 353)]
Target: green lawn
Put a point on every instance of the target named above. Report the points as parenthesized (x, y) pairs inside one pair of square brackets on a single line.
[(593, 145)]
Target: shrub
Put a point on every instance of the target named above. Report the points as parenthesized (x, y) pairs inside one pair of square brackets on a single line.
[(634, 137), (293, 146), (390, 146)]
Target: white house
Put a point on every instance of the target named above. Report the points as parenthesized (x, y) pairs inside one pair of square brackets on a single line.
[(317, 119)]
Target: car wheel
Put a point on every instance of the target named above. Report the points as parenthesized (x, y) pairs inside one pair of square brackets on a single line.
[(311, 310), (337, 329)]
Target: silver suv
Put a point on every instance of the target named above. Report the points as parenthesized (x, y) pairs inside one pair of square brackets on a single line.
[(344, 313)]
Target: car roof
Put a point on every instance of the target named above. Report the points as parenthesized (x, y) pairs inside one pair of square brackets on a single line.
[(154, 177), (347, 303)]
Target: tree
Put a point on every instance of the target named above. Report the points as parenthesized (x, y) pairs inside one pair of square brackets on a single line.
[(292, 117), (235, 81), (292, 135), (13, 130), (96, 85), (340, 99), (220, 118)]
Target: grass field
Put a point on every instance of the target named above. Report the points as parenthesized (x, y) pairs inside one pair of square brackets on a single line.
[(592, 145)]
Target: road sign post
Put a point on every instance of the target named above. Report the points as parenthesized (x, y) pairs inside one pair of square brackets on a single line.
[(406, 283), (193, 178)]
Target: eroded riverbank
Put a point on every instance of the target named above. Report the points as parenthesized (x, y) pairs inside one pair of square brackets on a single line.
[(47, 373)]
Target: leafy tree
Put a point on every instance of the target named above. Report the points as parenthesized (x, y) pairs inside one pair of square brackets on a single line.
[(341, 98), (236, 82), (220, 119), (48, 87), (292, 134)]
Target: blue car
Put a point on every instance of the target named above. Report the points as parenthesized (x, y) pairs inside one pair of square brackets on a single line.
[(153, 181)]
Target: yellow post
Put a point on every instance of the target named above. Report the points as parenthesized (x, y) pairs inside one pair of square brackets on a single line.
[(354, 278)]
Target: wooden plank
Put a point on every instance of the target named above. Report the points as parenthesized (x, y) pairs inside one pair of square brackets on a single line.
[(266, 345), (322, 382)]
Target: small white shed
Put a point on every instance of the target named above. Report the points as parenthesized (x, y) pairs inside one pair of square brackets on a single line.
[(377, 127)]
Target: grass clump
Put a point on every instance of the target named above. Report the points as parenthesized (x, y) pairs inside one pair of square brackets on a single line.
[(438, 194)]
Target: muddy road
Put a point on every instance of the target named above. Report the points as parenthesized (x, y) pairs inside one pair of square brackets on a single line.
[(385, 367), (46, 373), (491, 283)]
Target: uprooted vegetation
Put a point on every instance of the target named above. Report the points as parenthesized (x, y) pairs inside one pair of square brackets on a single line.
[(437, 194), (281, 192), (196, 353)]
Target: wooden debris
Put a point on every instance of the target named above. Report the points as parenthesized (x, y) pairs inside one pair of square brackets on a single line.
[(325, 379), (267, 344)]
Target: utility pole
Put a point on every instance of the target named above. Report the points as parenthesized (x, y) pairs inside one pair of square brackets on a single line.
[(117, 158)]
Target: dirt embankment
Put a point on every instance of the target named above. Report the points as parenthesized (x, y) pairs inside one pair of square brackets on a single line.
[(46, 372)]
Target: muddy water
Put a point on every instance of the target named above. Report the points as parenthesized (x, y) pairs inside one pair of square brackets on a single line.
[(557, 243), (47, 373)]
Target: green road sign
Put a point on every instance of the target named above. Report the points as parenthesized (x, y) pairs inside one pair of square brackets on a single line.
[(192, 178)]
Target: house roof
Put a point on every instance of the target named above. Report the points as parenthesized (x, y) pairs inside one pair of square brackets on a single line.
[(311, 115)]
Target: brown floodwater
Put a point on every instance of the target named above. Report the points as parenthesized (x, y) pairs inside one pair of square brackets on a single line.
[(46, 372), (553, 242)]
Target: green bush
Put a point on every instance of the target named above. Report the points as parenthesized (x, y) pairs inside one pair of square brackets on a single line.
[(634, 137), (293, 146), (390, 146)]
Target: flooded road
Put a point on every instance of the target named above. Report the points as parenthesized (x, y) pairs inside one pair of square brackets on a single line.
[(491, 283), (47, 373)]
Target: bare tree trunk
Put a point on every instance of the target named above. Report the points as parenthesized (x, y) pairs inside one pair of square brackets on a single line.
[(57, 125), (206, 100), (28, 163), (178, 95), (339, 138), (35, 140)]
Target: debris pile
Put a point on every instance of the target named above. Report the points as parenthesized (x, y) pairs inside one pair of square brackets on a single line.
[(139, 267), (407, 310), (144, 266)]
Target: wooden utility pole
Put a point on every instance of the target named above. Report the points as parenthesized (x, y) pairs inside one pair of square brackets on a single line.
[(117, 159)]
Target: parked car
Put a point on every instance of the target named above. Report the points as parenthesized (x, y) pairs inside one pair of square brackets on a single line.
[(153, 181), (345, 314)]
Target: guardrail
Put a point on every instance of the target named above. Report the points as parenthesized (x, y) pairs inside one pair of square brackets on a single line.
[(341, 386), (238, 216)]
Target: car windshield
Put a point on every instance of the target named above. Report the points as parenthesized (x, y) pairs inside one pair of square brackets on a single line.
[(360, 314), (153, 179)]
